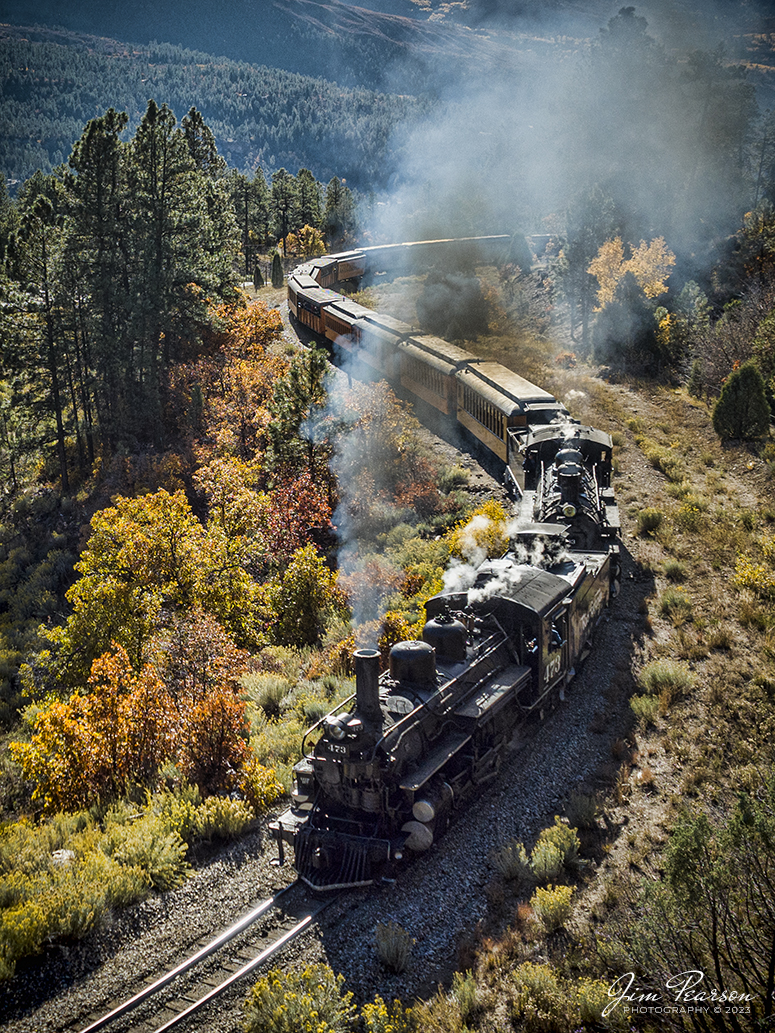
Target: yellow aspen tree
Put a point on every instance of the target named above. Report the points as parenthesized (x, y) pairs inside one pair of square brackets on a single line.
[(650, 265), (608, 268)]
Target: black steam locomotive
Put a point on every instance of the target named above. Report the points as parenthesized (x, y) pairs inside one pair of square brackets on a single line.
[(381, 775)]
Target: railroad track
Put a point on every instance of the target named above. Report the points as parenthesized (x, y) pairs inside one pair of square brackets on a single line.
[(214, 967)]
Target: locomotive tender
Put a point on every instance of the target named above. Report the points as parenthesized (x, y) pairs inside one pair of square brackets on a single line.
[(381, 775)]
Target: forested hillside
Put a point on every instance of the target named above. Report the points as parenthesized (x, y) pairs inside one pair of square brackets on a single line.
[(52, 83), (344, 43)]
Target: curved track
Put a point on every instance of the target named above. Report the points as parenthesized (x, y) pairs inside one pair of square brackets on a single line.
[(212, 970)]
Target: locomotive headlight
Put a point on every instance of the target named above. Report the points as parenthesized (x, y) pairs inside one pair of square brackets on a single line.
[(569, 510), (336, 730)]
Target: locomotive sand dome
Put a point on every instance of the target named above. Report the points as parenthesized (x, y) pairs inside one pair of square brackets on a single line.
[(381, 775)]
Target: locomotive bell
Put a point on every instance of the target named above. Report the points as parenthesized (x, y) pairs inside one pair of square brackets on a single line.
[(367, 683), (448, 638)]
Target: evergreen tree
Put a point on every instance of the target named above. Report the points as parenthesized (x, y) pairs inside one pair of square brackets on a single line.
[(262, 218), (296, 408), (98, 254), (38, 254), (250, 199), (181, 237), (625, 331), (696, 383), (339, 214), (309, 212), (201, 145), (277, 270), (284, 203), (591, 220), (742, 411)]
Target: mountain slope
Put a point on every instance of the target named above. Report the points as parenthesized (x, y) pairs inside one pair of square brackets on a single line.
[(400, 45), (52, 82), (345, 43)]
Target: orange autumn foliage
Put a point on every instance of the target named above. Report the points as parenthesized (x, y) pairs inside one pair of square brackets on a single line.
[(118, 733)]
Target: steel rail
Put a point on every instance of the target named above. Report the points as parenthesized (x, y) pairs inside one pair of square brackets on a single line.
[(209, 948), (248, 967)]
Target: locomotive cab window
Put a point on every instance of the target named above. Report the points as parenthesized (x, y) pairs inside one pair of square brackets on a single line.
[(557, 628)]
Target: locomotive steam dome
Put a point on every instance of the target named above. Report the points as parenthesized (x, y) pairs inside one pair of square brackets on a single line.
[(413, 662), (448, 638)]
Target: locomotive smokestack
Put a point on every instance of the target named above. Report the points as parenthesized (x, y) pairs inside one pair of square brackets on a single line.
[(367, 683)]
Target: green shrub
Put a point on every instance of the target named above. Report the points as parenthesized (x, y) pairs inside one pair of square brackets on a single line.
[(278, 746), (310, 1001), (540, 1003), (220, 817), (660, 675), (512, 863), (690, 515), (674, 570), (452, 477), (564, 838), (592, 999), (22, 932), (754, 576), (259, 786), (394, 946), (720, 638), (582, 810), (663, 458), (148, 845), (741, 411), (277, 270), (665, 680), (61, 901), (696, 383), (547, 861), (645, 709), (267, 691), (555, 850), (649, 521), (178, 810), (675, 604), (552, 906), (466, 992)]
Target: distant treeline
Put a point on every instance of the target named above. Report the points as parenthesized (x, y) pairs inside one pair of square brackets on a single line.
[(51, 84)]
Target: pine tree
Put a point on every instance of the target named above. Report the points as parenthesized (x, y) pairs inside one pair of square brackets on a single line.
[(309, 200), (298, 402), (38, 258), (284, 203), (339, 213), (277, 270), (98, 249), (742, 412), (201, 145)]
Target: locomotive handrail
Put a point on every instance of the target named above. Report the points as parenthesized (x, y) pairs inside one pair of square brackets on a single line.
[(597, 491), (320, 721)]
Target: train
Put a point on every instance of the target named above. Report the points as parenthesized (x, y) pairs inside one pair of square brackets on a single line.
[(382, 774)]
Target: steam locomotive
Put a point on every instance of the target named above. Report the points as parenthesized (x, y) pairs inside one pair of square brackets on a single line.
[(381, 775)]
